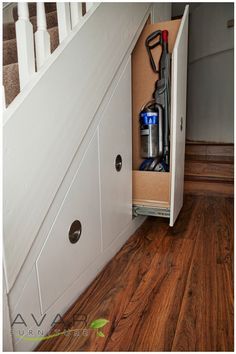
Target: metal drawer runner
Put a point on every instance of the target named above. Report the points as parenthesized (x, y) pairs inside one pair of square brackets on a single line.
[(151, 211)]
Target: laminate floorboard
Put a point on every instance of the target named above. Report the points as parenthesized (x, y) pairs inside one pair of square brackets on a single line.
[(167, 289)]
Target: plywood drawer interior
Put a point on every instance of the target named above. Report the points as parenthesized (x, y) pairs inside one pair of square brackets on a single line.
[(149, 188)]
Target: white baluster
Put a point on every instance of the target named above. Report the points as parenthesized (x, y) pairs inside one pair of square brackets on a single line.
[(25, 44), (42, 37), (75, 13), (63, 16), (88, 6)]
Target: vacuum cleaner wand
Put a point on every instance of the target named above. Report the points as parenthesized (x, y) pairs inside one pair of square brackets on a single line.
[(162, 86)]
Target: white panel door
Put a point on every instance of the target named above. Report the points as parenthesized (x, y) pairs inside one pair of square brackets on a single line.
[(61, 261), (28, 304), (115, 139), (178, 117)]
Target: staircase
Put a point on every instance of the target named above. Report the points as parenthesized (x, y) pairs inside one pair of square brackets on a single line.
[(47, 24), (209, 169), (10, 60)]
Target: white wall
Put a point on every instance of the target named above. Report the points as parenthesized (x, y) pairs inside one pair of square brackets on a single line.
[(161, 11), (7, 12), (210, 104)]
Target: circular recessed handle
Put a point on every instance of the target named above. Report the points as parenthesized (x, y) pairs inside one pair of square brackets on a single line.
[(75, 231), (118, 163)]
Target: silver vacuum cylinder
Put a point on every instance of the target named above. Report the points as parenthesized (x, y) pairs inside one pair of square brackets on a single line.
[(149, 140)]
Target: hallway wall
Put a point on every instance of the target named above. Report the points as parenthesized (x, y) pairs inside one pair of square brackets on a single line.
[(210, 102)]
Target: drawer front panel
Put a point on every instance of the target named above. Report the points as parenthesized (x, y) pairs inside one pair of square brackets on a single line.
[(115, 139), (178, 117), (62, 261), (26, 309)]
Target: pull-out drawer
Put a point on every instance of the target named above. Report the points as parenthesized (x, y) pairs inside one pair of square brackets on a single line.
[(66, 252), (161, 193)]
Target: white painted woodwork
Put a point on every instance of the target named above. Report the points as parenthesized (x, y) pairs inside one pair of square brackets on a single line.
[(115, 138), (28, 304), (178, 114), (25, 45), (161, 11), (89, 6), (80, 284), (60, 261), (64, 22), (42, 36), (43, 184), (36, 163), (7, 345), (75, 13), (65, 185)]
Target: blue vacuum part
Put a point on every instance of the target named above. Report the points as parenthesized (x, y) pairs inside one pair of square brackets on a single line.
[(148, 118), (159, 167), (144, 165)]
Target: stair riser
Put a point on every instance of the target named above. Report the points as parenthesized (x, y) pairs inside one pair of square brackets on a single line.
[(209, 169), (9, 31), (9, 52), (210, 150), (210, 159), (11, 82), (210, 189)]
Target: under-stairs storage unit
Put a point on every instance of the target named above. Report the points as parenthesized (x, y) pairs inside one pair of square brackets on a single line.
[(94, 176), (161, 193)]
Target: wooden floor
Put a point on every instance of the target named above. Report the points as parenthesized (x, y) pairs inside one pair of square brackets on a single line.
[(168, 289)]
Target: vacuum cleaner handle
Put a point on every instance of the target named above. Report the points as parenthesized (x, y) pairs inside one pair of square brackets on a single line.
[(160, 138), (149, 47)]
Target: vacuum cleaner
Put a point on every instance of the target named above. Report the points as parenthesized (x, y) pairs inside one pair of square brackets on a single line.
[(154, 116)]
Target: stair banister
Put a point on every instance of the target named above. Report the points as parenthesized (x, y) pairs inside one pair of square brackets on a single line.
[(25, 45), (64, 22), (75, 12), (42, 37)]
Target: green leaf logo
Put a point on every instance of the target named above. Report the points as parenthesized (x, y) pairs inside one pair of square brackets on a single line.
[(97, 324), (100, 334)]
